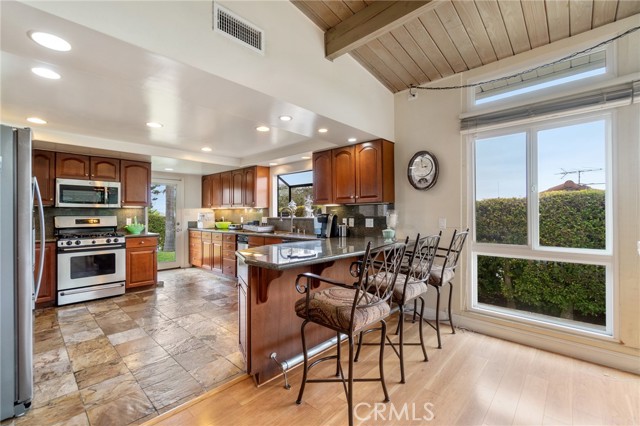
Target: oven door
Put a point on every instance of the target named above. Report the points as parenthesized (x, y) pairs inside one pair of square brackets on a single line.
[(87, 193), (82, 267)]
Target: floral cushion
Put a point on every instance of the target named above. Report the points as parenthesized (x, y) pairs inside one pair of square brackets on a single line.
[(414, 287), (332, 306), (436, 273)]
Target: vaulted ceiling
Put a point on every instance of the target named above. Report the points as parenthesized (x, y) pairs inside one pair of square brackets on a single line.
[(405, 43)]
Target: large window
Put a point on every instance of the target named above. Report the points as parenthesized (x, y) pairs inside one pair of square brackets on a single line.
[(295, 187), (542, 214)]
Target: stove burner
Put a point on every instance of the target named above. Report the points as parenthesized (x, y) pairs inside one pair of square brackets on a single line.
[(89, 235)]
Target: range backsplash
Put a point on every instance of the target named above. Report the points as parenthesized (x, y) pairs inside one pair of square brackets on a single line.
[(122, 215)]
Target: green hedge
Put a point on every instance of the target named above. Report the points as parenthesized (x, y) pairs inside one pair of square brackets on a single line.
[(157, 224), (562, 289)]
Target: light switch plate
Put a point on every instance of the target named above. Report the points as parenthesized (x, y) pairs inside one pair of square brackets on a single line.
[(352, 222), (442, 222), (344, 220), (128, 221), (368, 223), (263, 220)]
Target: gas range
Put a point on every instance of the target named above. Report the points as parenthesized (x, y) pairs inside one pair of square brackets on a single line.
[(83, 239)]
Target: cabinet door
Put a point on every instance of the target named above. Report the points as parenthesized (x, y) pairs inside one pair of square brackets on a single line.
[(105, 169), (136, 183), (142, 267), (44, 169), (207, 254), (369, 175), (225, 183), (48, 287), (206, 192), (322, 178), (72, 166), (216, 190), (343, 164), (216, 256), (237, 188), (249, 180), (195, 248)]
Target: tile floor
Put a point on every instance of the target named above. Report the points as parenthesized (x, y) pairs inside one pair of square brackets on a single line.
[(124, 360)]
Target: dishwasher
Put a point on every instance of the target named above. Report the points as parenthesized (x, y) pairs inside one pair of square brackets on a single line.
[(242, 269)]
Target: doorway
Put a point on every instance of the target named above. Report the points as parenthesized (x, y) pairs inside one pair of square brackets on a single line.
[(165, 218)]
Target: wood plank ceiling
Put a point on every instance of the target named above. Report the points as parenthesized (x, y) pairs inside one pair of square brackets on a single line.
[(404, 43)]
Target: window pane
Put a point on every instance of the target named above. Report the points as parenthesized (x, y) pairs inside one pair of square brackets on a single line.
[(568, 291), (501, 188), (571, 181)]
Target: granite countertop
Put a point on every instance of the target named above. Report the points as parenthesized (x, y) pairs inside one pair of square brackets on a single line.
[(142, 234), (303, 253), (277, 234)]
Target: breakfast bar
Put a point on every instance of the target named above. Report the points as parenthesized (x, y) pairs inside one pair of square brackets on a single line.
[(269, 327)]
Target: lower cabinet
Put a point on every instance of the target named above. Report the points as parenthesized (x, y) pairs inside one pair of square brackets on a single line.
[(215, 251), (142, 261), (212, 251), (47, 294), (195, 248), (229, 260)]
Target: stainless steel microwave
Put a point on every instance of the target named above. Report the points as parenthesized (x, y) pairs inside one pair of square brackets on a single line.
[(87, 193)]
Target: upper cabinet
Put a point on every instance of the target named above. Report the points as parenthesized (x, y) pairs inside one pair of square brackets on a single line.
[(322, 177), (361, 173), (248, 187), (136, 183), (76, 166), (44, 169)]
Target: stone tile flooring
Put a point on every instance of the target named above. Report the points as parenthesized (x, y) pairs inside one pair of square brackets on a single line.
[(124, 360)]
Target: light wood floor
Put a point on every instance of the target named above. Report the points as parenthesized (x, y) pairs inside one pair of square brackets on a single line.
[(474, 379)]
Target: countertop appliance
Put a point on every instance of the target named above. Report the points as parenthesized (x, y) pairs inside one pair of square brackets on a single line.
[(206, 220), (91, 258), (18, 287), (328, 225), (87, 193)]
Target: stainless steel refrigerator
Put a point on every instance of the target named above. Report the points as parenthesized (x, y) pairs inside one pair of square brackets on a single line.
[(18, 288)]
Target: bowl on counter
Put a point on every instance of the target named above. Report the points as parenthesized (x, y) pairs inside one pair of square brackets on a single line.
[(134, 228), (223, 225)]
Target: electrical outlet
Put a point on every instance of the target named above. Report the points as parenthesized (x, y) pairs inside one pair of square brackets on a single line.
[(263, 220), (344, 220), (368, 223), (352, 222), (442, 222), (128, 221)]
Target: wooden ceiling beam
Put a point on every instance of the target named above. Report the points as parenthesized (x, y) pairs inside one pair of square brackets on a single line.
[(371, 22)]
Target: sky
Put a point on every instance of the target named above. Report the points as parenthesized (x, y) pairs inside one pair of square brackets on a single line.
[(501, 161), (158, 201)]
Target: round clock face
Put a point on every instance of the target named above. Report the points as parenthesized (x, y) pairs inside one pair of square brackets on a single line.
[(423, 170)]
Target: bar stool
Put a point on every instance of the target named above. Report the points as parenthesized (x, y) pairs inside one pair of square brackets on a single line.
[(444, 273), (348, 308)]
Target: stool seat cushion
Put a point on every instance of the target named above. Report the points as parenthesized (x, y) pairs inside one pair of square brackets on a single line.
[(436, 273), (414, 287), (332, 306)]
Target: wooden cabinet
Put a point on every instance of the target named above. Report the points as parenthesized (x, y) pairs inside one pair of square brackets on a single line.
[(237, 188), (225, 184), (216, 190), (206, 192), (362, 173), (43, 164), (195, 248), (229, 255), (322, 178), (257, 241), (256, 186), (72, 166), (212, 251), (142, 261), (103, 168), (136, 183), (47, 293)]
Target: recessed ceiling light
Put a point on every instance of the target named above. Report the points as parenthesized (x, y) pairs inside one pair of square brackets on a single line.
[(262, 129), (352, 140), (169, 169), (154, 125), (45, 73), (36, 120), (273, 164), (306, 157), (322, 130), (206, 149), (50, 41), (286, 118)]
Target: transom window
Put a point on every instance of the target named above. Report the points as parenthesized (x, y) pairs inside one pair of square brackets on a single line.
[(543, 225), (295, 187)]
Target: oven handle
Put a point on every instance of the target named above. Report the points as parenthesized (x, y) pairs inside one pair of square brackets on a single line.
[(90, 248), (94, 288)]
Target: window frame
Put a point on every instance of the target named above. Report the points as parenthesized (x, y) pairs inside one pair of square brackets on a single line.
[(533, 250)]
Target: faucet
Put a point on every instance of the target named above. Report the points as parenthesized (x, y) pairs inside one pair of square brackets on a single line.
[(291, 214)]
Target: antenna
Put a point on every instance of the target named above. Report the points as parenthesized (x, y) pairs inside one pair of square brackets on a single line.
[(579, 172)]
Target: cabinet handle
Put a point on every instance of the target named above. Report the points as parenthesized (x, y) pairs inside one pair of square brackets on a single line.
[(353, 196), (86, 174)]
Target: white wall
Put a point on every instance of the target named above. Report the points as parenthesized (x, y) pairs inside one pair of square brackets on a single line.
[(431, 123)]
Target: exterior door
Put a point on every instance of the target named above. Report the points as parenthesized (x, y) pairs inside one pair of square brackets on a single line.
[(165, 218)]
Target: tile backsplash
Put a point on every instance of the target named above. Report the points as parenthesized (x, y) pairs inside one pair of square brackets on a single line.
[(121, 214)]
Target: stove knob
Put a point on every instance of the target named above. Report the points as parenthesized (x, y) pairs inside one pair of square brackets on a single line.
[(78, 242), (115, 240), (108, 240), (93, 242), (69, 243)]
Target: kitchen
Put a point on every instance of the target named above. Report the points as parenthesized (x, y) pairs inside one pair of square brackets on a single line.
[(370, 111)]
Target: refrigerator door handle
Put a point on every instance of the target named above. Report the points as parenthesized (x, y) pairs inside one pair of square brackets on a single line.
[(38, 195)]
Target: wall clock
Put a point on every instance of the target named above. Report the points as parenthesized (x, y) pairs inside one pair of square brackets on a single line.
[(423, 170)]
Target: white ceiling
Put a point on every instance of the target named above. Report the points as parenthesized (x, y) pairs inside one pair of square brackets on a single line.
[(109, 89)]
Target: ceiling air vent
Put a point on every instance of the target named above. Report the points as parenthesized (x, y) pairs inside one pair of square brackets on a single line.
[(231, 25)]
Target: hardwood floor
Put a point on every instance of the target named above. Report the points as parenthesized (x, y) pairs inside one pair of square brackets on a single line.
[(474, 379)]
